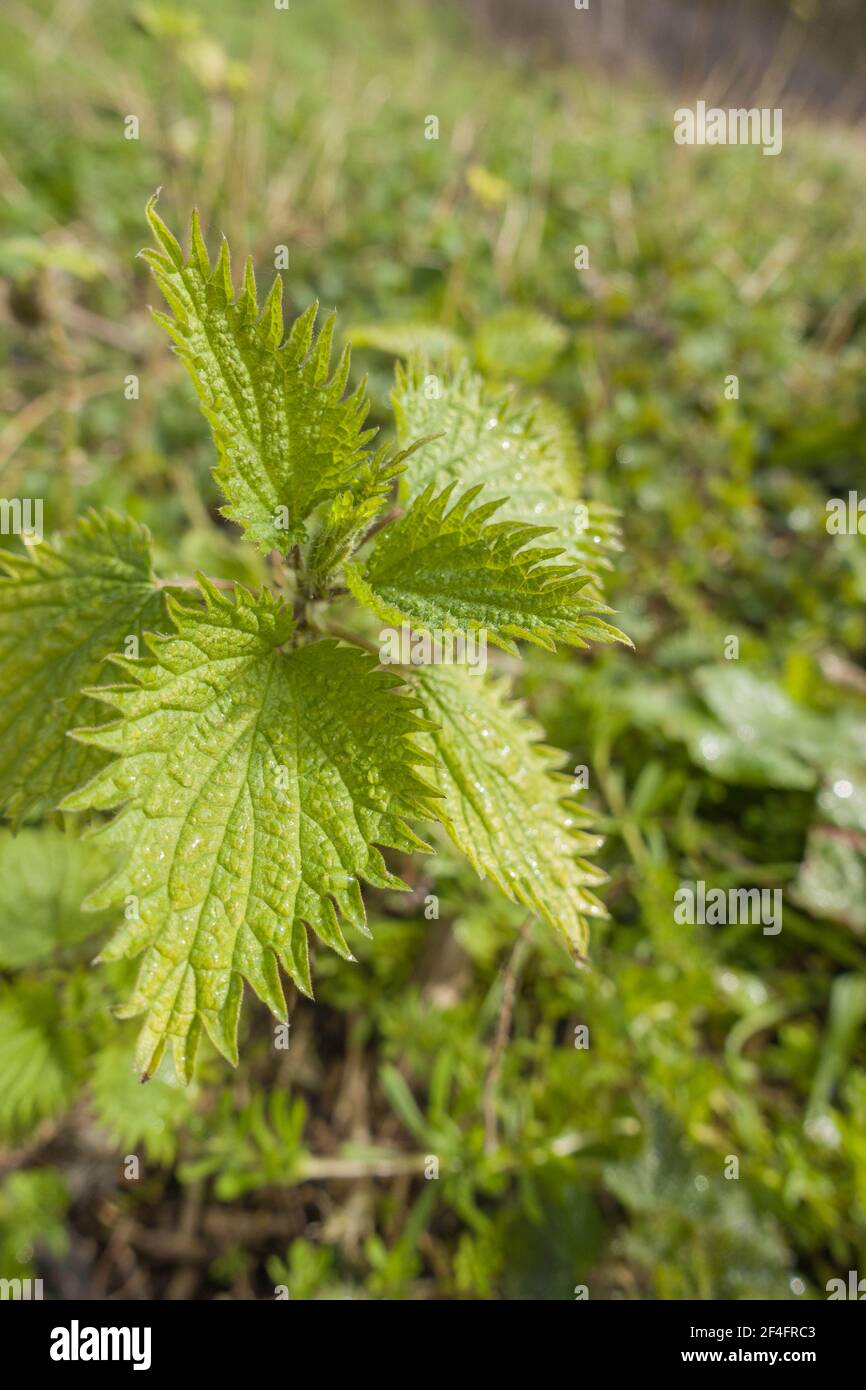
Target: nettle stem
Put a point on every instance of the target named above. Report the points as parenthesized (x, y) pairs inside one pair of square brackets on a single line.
[(346, 634), (380, 523), (278, 570)]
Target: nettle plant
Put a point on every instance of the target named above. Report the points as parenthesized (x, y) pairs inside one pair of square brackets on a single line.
[(243, 756)]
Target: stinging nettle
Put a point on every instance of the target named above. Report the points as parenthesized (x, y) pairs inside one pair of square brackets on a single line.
[(243, 757)]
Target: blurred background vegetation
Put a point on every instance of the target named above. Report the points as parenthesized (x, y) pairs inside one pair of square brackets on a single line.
[(558, 1165)]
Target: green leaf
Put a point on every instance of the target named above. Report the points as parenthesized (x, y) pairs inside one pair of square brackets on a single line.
[(524, 453), (63, 609), (255, 783), (339, 526), (44, 876), (692, 1237), (444, 569), (287, 438), (41, 1055), (846, 1015), (745, 731), (132, 1115), (22, 254), (763, 738), (558, 460), (33, 1206), (503, 806), (831, 882), (519, 342), (401, 338)]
